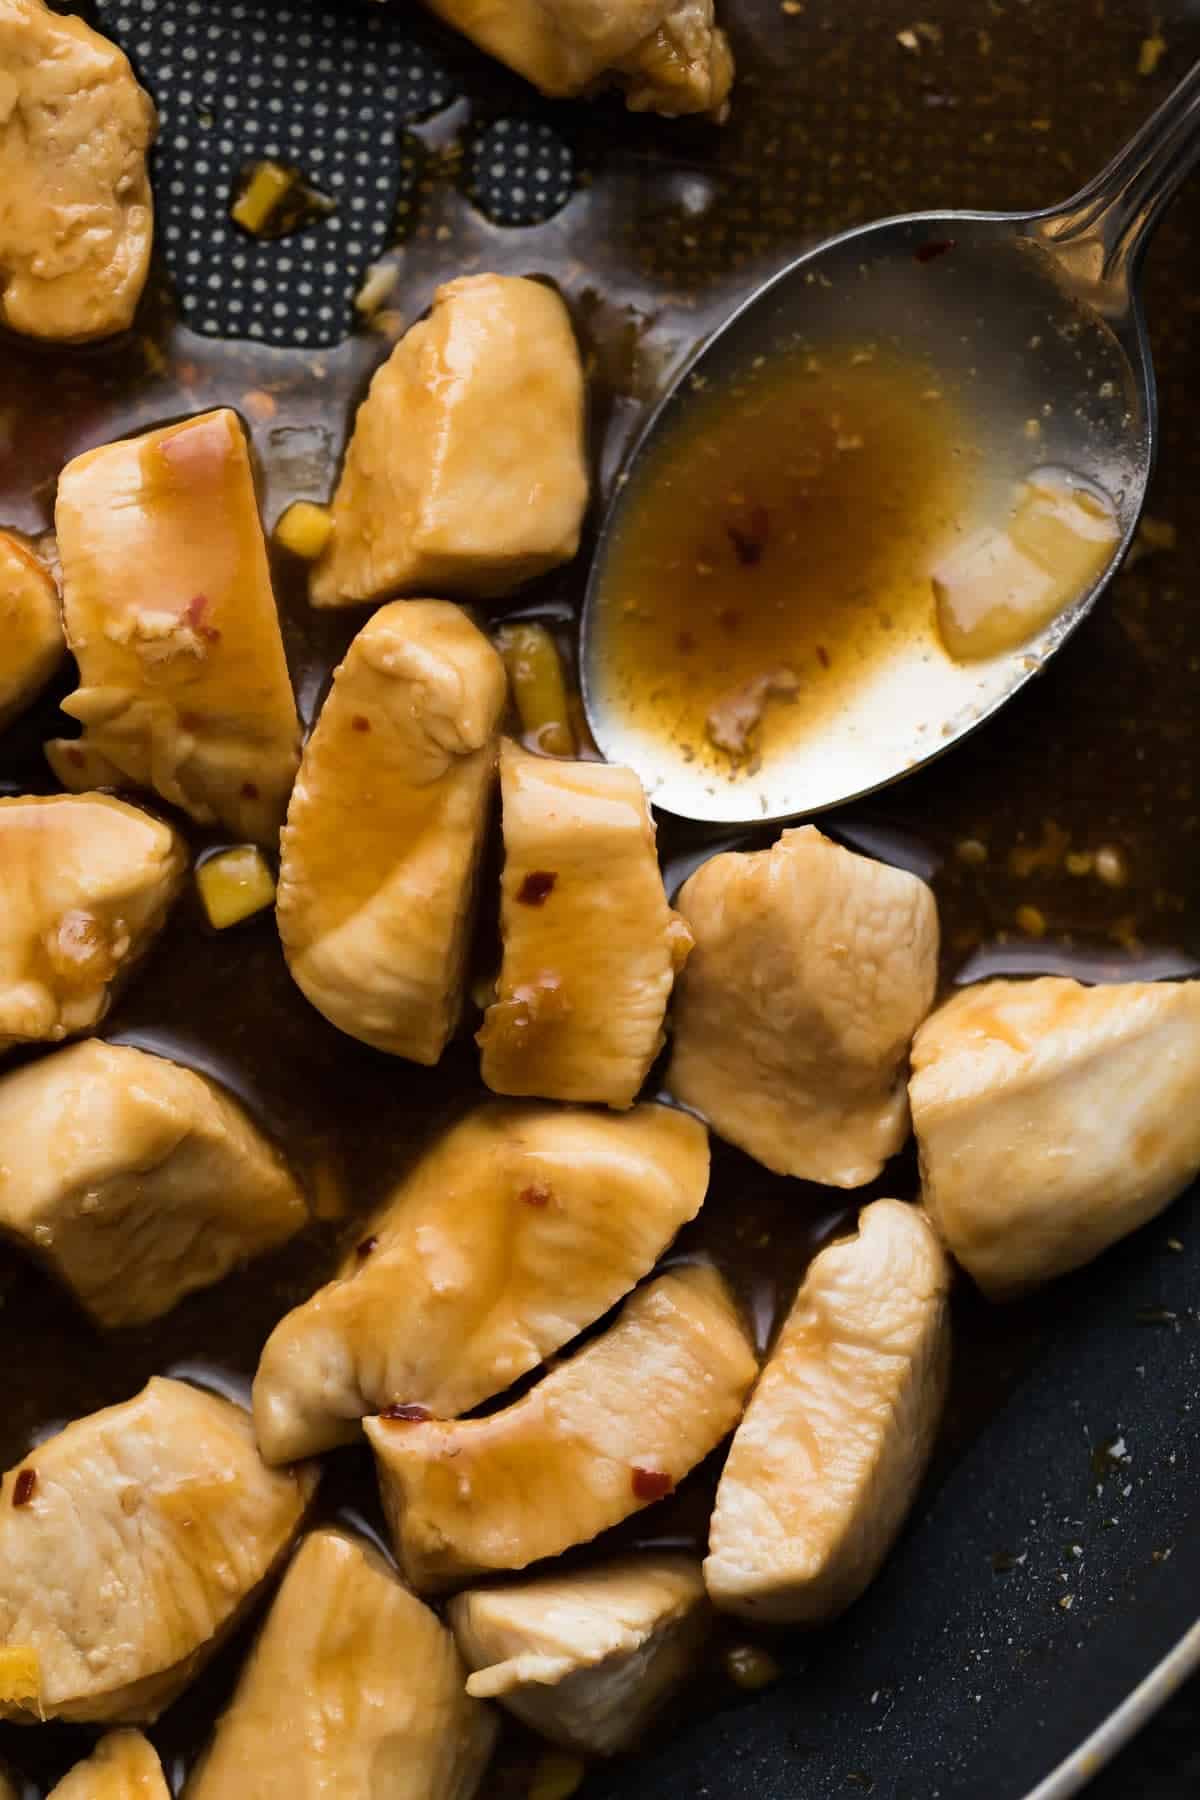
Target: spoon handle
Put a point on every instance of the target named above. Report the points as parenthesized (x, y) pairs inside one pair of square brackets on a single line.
[(1101, 233)]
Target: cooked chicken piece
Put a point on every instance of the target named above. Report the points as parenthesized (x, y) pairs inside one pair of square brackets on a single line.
[(354, 1688), (31, 633), (466, 470), (88, 883), (587, 1657), (380, 854), (825, 1464), (169, 610), (667, 55), (1052, 1119), (793, 1019), (135, 1180), (130, 1544), (76, 214), (614, 1427), (590, 945), (123, 1766), (518, 1229)]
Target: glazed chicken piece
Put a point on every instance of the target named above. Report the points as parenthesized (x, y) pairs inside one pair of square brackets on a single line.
[(1053, 1119), (466, 470), (76, 214), (31, 633), (825, 1464), (667, 55), (135, 1180), (88, 883), (380, 854), (123, 1766), (130, 1544), (587, 1657), (609, 1430), (792, 1022), (169, 611), (522, 1226), (353, 1688), (590, 945)]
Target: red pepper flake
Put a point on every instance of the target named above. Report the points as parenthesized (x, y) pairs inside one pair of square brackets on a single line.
[(651, 1484), (935, 247), (685, 642), (364, 1249), (537, 1194), (360, 722), (750, 542), (75, 758), (411, 1414), (193, 614), (23, 1486), (822, 656), (729, 619), (537, 887), (249, 790)]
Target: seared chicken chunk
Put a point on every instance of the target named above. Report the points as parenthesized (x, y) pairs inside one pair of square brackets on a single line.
[(87, 884), (130, 1543), (31, 633), (825, 1464), (668, 55), (518, 1229), (587, 1657), (611, 1429), (1052, 1119), (135, 1180), (76, 214), (169, 610), (354, 1688), (466, 471), (123, 1766), (380, 854), (590, 945), (793, 1019)]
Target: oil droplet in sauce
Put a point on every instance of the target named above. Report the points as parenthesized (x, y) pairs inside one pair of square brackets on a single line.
[(779, 544)]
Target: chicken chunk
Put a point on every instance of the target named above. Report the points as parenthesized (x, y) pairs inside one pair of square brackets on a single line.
[(516, 1231), (380, 854), (88, 882), (1052, 1119), (825, 1464), (123, 1766), (31, 633), (587, 1657), (130, 1544), (76, 213), (169, 610), (792, 1022), (668, 56), (354, 1688), (466, 470), (611, 1429), (135, 1180), (590, 945)]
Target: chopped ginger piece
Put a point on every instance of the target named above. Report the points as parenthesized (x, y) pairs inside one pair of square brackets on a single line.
[(20, 1677), (304, 528), (263, 194), (234, 885)]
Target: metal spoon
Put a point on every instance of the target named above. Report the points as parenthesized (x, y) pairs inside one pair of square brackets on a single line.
[(1041, 313)]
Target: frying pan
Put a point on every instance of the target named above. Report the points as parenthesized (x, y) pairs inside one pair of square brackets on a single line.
[(1046, 1589)]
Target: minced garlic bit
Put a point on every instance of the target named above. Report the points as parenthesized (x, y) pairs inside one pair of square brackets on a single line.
[(556, 1776), (234, 885), (1150, 53), (264, 192), (1031, 920), (972, 851), (749, 1667), (1111, 866), (304, 528), (377, 286)]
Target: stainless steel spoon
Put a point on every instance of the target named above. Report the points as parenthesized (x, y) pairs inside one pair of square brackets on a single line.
[(1040, 314)]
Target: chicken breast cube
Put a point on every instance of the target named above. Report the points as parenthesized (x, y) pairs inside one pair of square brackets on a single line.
[(130, 1544), (1052, 1119), (123, 1766), (380, 854), (466, 470), (31, 633), (587, 1657), (792, 1022), (522, 1226), (667, 55), (354, 1687), (87, 884), (825, 1464), (169, 610), (611, 1429), (135, 1180), (76, 214), (590, 945)]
